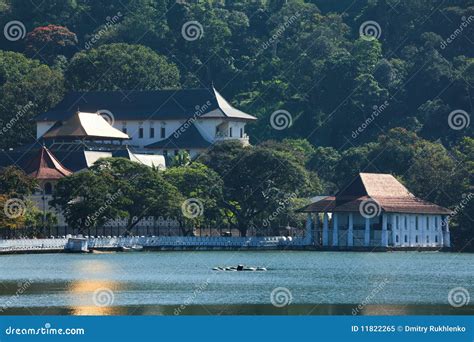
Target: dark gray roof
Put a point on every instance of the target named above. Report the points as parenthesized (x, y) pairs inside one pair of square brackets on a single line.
[(73, 160), (187, 136), (74, 156), (144, 105)]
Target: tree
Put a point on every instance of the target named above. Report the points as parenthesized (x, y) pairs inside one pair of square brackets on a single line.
[(181, 159), (15, 182), (87, 199), (143, 191), (121, 67), (199, 183), (256, 181), (47, 42), (15, 187), (27, 88)]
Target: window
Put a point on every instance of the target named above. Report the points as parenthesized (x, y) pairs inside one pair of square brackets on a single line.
[(152, 132), (48, 189), (427, 239), (416, 239), (396, 238), (241, 132), (140, 133), (436, 238), (406, 238), (406, 223), (163, 132), (124, 129), (230, 132), (427, 223), (396, 217), (436, 222), (416, 223)]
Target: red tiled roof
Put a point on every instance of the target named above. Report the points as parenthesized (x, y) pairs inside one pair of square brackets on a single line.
[(45, 166), (384, 189)]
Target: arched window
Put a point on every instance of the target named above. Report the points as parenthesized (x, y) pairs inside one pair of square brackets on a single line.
[(48, 189)]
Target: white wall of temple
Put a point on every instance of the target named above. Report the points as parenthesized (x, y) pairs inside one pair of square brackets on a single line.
[(146, 132), (401, 230), (410, 230)]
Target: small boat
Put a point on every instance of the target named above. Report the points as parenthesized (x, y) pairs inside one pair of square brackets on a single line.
[(239, 268)]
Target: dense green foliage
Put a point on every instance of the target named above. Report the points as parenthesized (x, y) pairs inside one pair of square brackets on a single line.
[(356, 103)]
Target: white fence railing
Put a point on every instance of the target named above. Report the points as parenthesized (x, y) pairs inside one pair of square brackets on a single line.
[(32, 244), (191, 241), (153, 241)]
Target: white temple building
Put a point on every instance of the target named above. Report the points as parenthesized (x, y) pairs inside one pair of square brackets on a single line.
[(376, 210), (156, 122)]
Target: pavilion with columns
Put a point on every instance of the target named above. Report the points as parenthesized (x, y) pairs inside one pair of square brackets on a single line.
[(376, 211)]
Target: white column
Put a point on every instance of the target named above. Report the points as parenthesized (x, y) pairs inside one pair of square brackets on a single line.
[(367, 232), (350, 231), (394, 230), (325, 230), (384, 239), (446, 234), (309, 232), (335, 232)]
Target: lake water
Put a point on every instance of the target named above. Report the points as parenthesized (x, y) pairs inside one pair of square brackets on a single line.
[(184, 283)]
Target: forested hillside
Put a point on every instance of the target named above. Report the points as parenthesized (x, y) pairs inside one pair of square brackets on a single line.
[(377, 85)]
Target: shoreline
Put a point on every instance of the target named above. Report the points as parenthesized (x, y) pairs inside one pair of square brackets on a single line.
[(230, 248)]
